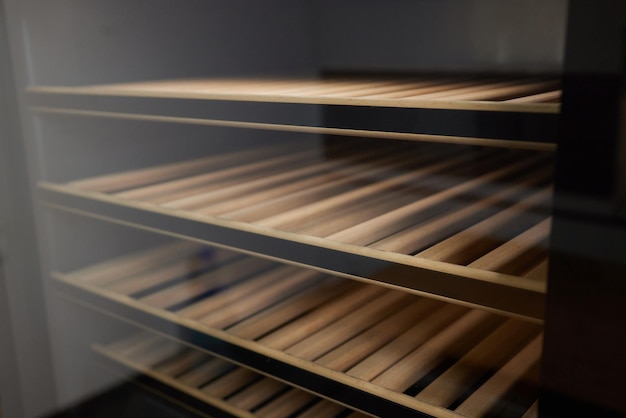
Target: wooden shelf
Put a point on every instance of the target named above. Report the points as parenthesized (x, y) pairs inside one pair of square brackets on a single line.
[(329, 335), (429, 108), (459, 223), (230, 389)]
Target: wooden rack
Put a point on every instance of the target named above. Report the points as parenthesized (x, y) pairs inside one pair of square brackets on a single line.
[(401, 350), (231, 390), (454, 222), (521, 111)]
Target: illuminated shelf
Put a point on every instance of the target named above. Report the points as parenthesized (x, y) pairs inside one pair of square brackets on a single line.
[(458, 223), (379, 350), (433, 108), (227, 389)]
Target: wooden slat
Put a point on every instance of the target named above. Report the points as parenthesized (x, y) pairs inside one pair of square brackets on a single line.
[(136, 262), (126, 180), (486, 356), (377, 228), (512, 256), (384, 358), (205, 373), (257, 393), (230, 383), (360, 172), (304, 326), (212, 280), (472, 242), (365, 344), (322, 409), (491, 391), (433, 230), (190, 369), (505, 92), (260, 300), (275, 315), (285, 405), (182, 363), (348, 326), (449, 343), (165, 273), (291, 218), (213, 176)]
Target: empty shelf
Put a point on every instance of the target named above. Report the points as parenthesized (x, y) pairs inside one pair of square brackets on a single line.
[(229, 388), (401, 350), (517, 108), (424, 217)]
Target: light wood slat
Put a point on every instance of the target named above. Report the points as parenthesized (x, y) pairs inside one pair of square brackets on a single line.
[(340, 91), (174, 383), (135, 262), (486, 356), (371, 89), (230, 383), (547, 97), (348, 326), (479, 85), (299, 202), (157, 276), (501, 93), (201, 190), (274, 316), (384, 358), (384, 225), (332, 223), (205, 373), (434, 86), (259, 192), (327, 87), (200, 198), (289, 219), (226, 174), (533, 411), (182, 363), (128, 179), (483, 399), (360, 172), (260, 300), (451, 342), (513, 251), (215, 279), (349, 88), (153, 190), (321, 409), (433, 230), (257, 393), (239, 291), (467, 245), (295, 331), (285, 405), (404, 89), (365, 344)]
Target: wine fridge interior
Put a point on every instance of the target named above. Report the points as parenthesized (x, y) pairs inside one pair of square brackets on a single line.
[(293, 209)]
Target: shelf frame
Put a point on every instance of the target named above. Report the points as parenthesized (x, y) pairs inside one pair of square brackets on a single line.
[(484, 120), (331, 385), (492, 291)]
